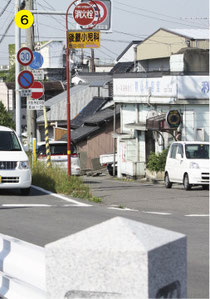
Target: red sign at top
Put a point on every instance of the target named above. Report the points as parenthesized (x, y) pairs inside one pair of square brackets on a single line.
[(84, 14)]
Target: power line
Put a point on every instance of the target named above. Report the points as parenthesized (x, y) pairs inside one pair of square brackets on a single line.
[(3, 10), (5, 32), (153, 12)]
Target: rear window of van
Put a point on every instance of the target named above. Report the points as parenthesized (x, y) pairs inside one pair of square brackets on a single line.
[(56, 149)]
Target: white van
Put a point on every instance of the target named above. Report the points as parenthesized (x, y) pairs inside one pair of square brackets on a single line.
[(58, 151), (14, 164), (188, 163)]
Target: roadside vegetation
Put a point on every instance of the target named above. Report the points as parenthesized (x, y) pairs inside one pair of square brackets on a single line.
[(56, 180), (157, 162)]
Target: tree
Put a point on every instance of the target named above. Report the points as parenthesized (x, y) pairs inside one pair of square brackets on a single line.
[(5, 117)]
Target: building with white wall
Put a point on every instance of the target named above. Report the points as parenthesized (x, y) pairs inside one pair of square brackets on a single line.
[(174, 81)]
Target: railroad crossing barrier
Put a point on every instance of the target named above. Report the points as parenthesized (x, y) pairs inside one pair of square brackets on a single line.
[(119, 258)]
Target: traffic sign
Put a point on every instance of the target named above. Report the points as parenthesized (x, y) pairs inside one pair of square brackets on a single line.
[(35, 104), (84, 14), (25, 79), (37, 90), (102, 20), (25, 56), (38, 61), (25, 92), (38, 74)]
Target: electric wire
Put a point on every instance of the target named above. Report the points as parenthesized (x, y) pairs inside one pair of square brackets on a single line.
[(153, 12), (4, 9)]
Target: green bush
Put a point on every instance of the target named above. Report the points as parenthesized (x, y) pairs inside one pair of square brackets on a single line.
[(156, 162), (56, 179)]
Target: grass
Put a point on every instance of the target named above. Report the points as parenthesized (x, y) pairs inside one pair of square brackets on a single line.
[(56, 179)]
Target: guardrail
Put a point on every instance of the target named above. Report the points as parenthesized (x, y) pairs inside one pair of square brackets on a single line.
[(22, 269)]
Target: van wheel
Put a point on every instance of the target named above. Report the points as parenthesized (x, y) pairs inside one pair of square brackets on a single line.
[(186, 183), (205, 187), (168, 184), (25, 191)]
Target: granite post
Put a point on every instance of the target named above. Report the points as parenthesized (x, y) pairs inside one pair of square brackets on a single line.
[(119, 258)]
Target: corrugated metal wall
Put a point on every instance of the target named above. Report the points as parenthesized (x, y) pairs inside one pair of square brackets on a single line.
[(99, 144)]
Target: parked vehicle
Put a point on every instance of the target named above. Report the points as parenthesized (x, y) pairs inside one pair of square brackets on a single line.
[(188, 163), (108, 161), (14, 163), (58, 151)]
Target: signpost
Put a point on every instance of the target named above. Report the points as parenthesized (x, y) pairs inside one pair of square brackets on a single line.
[(102, 9), (84, 14), (37, 90), (38, 61), (25, 79), (84, 39), (25, 56), (38, 74)]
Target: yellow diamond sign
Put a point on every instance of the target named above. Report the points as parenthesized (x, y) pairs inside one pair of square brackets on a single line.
[(84, 39)]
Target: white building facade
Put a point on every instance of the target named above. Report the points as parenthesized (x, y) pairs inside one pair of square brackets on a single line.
[(142, 98)]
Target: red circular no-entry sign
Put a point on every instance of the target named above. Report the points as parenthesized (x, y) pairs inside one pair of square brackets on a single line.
[(84, 14), (37, 90)]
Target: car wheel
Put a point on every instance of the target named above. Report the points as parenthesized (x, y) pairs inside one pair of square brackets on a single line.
[(168, 184), (186, 183), (25, 191)]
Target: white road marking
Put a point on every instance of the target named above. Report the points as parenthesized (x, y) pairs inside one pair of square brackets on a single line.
[(25, 205), (122, 209), (77, 203), (197, 215), (156, 213)]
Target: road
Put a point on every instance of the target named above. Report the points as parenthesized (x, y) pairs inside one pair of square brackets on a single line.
[(43, 218)]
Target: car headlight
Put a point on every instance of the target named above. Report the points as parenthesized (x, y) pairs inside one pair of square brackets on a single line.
[(24, 165), (194, 165)]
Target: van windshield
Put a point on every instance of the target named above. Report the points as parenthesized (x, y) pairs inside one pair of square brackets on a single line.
[(9, 141), (197, 151)]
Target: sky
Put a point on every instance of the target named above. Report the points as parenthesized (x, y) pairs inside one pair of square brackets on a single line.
[(131, 20)]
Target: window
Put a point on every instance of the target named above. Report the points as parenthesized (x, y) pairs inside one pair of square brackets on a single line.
[(9, 141), (180, 150), (173, 151), (197, 151)]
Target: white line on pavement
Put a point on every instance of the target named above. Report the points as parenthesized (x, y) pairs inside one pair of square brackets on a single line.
[(197, 215), (62, 197), (156, 213), (122, 209)]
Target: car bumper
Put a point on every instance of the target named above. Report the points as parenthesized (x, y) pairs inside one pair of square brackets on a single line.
[(12, 179), (199, 177)]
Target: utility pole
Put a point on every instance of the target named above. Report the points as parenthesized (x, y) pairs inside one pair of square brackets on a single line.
[(17, 71), (31, 114), (92, 62)]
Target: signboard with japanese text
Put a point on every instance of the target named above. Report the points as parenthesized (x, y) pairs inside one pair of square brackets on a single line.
[(38, 74), (35, 104), (25, 92), (180, 87), (84, 39)]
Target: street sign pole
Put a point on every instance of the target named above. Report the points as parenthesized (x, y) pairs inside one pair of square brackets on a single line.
[(68, 83), (17, 71)]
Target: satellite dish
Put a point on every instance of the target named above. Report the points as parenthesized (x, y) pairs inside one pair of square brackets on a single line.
[(151, 113)]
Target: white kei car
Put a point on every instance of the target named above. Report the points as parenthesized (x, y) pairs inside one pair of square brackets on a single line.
[(58, 151), (188, 163), (15, 170)]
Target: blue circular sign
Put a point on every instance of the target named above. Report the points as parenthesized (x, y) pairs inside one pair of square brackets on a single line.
[(25, 79), (37, 60)]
